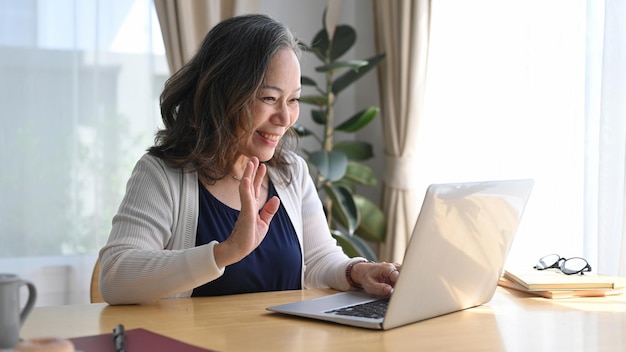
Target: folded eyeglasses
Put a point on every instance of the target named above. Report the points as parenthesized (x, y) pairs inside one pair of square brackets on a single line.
[(570, 266)]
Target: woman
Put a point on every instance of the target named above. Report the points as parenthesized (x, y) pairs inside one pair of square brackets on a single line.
[(221, 204)]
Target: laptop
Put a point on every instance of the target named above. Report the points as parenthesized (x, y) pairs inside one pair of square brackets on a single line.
[(453, 261)]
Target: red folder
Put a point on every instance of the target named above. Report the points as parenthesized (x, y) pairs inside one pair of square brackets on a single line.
[(137, 340)]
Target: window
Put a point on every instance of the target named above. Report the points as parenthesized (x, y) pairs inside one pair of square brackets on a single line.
[(79, 96), (505, 98)]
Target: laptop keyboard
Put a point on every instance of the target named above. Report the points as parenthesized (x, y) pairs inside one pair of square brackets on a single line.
[(373, 309)]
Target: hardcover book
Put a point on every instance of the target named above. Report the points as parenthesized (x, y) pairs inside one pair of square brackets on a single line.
[(136, 340)]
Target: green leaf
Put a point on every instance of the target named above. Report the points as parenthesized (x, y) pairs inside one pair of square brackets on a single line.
[(318, 100), (353, 246), (358, 120), (306, 81), (331, 165), (344, 210), (355, 150), (350, 77), (346, 182), (352, 64), (319, 45), (361, 173), (313, 51), (345, 242), (343, 39), (318, 116), (301, 130), (373, 225)]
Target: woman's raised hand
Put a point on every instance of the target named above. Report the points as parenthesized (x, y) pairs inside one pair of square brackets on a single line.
[(252, 224)]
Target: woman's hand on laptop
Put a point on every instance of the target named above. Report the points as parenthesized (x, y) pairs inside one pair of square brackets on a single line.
[(376, 278)]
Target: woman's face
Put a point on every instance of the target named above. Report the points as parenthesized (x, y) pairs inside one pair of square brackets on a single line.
[(276, 106)]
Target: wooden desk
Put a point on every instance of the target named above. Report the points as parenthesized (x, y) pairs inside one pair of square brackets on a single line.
[(512, 321)]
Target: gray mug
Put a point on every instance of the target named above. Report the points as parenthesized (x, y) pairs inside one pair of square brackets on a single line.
[(11, 317)]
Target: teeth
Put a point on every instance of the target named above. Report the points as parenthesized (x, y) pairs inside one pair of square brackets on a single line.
[(271, 137)]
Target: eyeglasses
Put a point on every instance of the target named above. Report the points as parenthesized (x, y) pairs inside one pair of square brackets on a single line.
[(571, 266)]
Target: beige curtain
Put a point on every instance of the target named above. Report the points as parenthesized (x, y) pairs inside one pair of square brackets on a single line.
[(402, 32), (184, 23)]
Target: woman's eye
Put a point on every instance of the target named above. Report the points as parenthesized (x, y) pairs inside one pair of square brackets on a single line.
[(274, 100)]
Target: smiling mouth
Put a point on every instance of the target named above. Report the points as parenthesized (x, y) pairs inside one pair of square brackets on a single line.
[(270, 137)]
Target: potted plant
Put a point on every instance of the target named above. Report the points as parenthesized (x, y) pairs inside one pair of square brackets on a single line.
[(337, 166)]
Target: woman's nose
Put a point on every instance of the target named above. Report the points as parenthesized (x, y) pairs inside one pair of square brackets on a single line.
[(281, 116)]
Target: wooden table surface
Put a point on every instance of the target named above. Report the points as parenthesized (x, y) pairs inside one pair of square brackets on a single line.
[(511, 321)]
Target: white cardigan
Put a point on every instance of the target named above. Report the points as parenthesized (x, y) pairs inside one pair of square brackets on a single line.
[(151, 250)]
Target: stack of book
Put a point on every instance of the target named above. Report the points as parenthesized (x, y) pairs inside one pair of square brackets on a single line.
[(552, 283)]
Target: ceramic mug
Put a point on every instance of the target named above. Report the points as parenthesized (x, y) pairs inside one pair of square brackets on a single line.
[(11, 316)]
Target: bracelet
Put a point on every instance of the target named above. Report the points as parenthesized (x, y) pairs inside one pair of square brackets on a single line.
[(349, 273)]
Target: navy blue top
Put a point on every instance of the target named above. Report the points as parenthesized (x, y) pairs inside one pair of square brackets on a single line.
[(275, 265)]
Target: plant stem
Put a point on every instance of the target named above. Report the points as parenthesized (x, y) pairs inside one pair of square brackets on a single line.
[(330, 114), (329, 125)]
